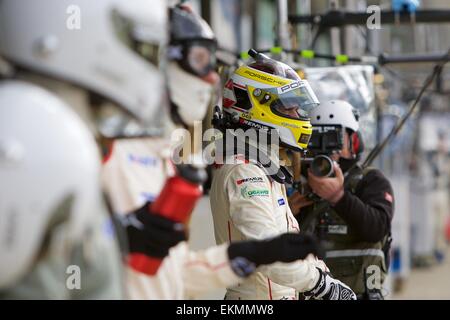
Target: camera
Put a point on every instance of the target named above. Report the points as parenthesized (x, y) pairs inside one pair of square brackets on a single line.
[(325, 140), (322, 166)]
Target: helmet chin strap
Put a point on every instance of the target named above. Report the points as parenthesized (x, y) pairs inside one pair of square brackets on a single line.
[(272, 167), (274, 170)]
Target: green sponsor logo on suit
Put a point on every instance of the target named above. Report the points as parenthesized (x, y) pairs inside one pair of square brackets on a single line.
[(254, 192)]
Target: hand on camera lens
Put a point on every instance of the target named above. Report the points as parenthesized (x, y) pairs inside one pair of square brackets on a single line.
[(328, 188)]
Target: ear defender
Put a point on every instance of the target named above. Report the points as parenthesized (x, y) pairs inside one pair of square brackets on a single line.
[(357, 144)]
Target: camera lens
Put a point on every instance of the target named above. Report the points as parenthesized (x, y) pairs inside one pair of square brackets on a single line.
[(322, 166)]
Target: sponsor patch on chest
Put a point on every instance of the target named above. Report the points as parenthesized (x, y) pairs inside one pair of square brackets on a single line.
[(249, 180), (281, 202), (254, 192)]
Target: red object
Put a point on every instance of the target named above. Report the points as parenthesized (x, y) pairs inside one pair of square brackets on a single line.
[(175, 202), (270, 289), (108, 153), (227, 103), (229, 84), (447, 231), (355, 143)]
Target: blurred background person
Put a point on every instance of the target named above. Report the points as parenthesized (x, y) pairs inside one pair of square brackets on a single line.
[(441, 171)]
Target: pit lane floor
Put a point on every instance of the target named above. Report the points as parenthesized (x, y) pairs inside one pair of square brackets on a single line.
[(427, 283)]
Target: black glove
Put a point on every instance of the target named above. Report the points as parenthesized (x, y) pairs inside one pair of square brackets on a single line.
[(151, 234), (328, 288), (287, 247)]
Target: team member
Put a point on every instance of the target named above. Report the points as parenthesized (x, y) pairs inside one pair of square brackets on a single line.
[(136, 169), (69, 228), (248, 196), (57, 241)]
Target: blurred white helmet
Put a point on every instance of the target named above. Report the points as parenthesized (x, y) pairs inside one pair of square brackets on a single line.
[(191, 70), (112, 48), (49, 176), (335, 112)]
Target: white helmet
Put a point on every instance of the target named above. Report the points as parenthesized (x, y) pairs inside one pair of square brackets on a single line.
[(335, 112), (49, 170), (109, 47)]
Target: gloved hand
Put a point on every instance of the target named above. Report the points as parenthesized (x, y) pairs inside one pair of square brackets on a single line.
[(151, 234), (287, 247), (328, 288)]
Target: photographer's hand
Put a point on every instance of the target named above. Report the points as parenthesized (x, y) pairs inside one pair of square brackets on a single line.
[(328, 188), (298, 201)]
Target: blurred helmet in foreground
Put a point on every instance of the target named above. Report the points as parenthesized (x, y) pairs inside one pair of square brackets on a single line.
[(112, 48)]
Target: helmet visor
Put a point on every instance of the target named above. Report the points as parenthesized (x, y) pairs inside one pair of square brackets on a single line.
[(294, 100), (138, 38), (111, 119), (201, 59), (195, 57)]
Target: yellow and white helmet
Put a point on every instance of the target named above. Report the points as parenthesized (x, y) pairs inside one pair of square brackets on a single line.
[(268, 94)]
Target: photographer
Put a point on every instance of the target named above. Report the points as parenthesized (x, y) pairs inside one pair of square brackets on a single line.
[(352, 209)]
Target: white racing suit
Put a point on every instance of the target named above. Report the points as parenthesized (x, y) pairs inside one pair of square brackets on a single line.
[(135, 173), (250, 205)]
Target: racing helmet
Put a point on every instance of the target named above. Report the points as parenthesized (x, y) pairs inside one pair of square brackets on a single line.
[(114, 49), (49, 182), (268, 94)]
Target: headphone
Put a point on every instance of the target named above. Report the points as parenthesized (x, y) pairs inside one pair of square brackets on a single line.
[(356, 144), (356, 140)]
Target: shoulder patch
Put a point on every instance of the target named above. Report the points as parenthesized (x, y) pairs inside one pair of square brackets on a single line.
[(388, 197)]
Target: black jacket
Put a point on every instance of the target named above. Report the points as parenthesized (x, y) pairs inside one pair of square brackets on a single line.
[(369, 211)]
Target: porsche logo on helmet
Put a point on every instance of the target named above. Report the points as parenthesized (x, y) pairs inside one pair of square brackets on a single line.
[(290, 86)]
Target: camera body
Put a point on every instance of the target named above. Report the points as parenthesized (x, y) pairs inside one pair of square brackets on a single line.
[(325, 140)]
